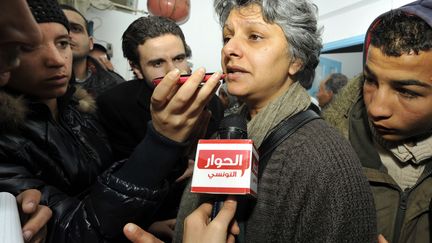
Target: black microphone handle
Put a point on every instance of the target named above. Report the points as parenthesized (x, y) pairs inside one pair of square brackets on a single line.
[(233, 126)]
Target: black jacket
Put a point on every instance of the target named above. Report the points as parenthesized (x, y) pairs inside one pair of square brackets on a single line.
[(125, 110), (70, 162), (100, 79)]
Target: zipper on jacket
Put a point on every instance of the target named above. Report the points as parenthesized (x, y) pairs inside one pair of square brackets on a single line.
[(400, 216)]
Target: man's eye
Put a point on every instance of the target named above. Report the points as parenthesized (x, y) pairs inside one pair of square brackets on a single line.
[(370, 81), (179, 59), (226, 39), (63, 44), (409, 94), (28, 48), (76, 29)]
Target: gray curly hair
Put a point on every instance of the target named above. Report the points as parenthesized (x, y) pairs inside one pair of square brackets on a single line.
[(298, 20)]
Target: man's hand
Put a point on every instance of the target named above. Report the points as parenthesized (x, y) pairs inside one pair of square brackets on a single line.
[(35, 216), (137, 235), (176, 108), (198, 227)]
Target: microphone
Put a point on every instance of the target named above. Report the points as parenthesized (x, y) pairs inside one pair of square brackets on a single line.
[(228, 164), (232, 127)]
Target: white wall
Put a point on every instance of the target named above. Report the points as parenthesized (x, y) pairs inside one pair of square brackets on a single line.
[(343, 19), (351, 62), (202, 34)]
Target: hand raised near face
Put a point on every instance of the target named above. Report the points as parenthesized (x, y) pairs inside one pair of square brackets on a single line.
[(176, 108)]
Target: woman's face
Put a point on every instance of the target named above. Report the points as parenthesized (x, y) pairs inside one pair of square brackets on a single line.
[(45, 69), (256, 58)]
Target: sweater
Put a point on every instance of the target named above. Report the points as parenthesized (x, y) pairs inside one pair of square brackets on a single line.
[(312, 190)]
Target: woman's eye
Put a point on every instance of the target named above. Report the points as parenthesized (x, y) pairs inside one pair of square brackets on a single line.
[(255, 37)]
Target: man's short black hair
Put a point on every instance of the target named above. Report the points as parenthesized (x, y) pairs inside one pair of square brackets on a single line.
[(399, 33), (88, 24), (146, 28)]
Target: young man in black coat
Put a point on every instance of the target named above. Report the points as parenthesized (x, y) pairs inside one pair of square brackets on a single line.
[(153, 46)]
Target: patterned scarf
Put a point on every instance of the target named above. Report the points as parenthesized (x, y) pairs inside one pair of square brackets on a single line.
[(295, 100)]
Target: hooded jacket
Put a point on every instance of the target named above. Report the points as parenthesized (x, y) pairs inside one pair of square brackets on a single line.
[(70, 162), (403, 215)]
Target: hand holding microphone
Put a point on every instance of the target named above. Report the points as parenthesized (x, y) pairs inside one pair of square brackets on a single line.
[(227, 165), (197, 227)]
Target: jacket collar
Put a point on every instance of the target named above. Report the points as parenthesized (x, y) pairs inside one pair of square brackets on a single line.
[(13, 111), (14, 107), (361, 138)]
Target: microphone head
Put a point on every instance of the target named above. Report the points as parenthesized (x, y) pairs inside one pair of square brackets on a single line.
[(233, 126)]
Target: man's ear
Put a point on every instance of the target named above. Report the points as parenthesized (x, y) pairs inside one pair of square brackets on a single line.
[(295, 66), (136, 69), (330, 94), (91, 42)]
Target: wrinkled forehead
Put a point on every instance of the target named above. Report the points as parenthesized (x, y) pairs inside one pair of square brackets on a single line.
[(408, 66)]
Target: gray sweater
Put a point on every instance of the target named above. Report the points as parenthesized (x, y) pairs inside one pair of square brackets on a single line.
[(312, 190)]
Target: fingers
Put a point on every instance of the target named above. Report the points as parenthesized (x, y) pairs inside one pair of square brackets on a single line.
[(163, 89), (176, 108), (36, 222), (231, 239), (381, 239), (28, 200), (202, 213), (40, 236), (137, 235), (226, 214), (234, 228)]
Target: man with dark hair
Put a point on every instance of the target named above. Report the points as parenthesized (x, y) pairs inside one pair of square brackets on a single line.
[(89, 73), (16, 34), (387, 115), (153, 46), (329, 87)]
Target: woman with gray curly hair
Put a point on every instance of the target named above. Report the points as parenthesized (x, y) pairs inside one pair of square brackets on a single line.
[(312, 188)]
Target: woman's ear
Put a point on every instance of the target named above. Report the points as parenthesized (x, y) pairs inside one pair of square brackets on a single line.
[(136, 70), (295, 66)]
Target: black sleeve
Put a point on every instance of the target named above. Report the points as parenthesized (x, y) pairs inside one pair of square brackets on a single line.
[(153, 160), (129, 191), (117, 129)]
